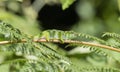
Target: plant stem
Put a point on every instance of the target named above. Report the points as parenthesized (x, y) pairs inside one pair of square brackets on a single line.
[(66, 41)]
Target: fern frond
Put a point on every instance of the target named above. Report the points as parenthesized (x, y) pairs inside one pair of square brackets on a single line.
[(113, 35), (93, 49), (9, 32), (38, 55), (67, 35), (98, 69), (39, 50), (42, 58), (92, 38), (26, 65)]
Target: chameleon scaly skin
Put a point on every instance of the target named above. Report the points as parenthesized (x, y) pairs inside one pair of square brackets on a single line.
[(57, 34)]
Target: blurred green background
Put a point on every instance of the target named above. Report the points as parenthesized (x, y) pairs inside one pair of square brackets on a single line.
[(87, 16)]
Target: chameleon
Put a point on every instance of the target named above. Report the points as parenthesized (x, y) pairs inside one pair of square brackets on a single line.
[(57, 34)]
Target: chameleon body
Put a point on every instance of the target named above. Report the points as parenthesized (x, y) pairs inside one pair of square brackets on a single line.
[(57, 34)]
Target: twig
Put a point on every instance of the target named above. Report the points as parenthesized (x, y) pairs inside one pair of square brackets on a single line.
[(66, 41)]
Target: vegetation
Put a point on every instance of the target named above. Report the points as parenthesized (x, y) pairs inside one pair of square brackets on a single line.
[(25, 48)]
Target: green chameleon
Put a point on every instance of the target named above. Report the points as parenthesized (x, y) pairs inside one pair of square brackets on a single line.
[(57, 34)]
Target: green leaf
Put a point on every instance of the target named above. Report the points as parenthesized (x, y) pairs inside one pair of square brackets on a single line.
[(66, 3)]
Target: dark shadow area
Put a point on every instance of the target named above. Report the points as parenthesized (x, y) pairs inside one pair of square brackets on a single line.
[(53, 17)]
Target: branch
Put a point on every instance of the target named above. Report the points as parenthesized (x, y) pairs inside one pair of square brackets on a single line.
[(66, 41)]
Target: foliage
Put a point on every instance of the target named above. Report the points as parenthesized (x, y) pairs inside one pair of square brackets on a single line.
[(22, 22), (66, 3), (26, 48), (35, 57), (29, 54)]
